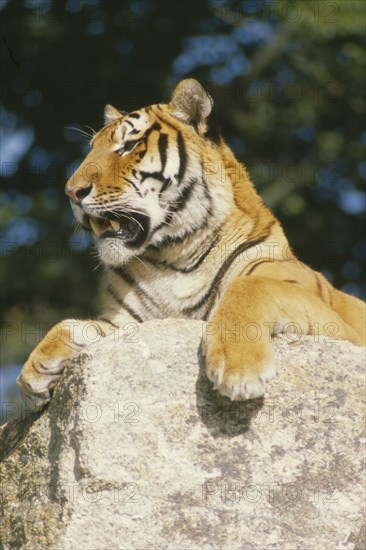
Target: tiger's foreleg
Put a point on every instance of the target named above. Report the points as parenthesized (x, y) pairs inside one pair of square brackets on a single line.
[(46, 363), (237, 340)]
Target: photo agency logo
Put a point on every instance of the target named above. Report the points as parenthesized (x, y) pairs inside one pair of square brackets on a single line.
[(274, 492)]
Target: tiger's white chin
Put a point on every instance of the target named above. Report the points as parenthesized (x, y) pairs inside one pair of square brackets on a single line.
[(113, 252)]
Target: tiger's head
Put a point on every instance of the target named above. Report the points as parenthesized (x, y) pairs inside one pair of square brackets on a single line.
[(144, 184)]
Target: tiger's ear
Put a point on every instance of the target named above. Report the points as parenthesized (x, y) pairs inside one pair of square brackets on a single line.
[(191, 104), (111, 114)]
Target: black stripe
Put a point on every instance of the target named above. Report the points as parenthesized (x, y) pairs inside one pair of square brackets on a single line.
[(253, 267), (183, 197), (165, 185), (318, 285), (133, 185), (156, 126), (184, 269), (207, 195), (328, 288), (270, 225), (170, 240), (121, 272), (330, 296), (36, 369), (166, 122), (42, 372), (180, 203), (266, 231), (210, 295), (130, 123), (182, 157), (200, 259), (156, 175), (108, 322), (124, 305), (134, 115), (162, 145)]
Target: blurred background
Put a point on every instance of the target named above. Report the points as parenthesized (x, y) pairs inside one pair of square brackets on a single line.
[(288, 79)]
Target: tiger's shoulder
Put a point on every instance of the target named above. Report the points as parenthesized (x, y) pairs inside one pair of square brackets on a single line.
[(174, 214)]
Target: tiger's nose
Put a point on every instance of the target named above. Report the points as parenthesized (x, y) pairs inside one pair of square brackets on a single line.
[(77, 194)]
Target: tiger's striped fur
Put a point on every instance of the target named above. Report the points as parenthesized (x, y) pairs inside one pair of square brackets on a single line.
[(183, 233)]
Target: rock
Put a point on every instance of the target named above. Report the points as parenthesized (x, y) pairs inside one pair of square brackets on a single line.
[(137, 451)]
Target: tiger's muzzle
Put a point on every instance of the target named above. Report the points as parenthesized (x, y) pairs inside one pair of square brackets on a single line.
[(132, 228)]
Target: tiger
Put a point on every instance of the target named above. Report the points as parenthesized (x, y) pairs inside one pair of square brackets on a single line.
[(182, 233)]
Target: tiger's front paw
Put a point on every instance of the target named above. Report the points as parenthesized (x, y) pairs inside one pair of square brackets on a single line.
[(238, 369), (38, 378)]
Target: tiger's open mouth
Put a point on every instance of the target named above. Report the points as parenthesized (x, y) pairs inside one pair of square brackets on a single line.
[(132, 229)]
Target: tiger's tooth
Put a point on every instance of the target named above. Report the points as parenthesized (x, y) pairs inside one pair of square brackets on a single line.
[(115, 225), (95, 227)]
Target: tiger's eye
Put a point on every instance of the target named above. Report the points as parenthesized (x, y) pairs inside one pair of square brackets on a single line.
[(127, 147)]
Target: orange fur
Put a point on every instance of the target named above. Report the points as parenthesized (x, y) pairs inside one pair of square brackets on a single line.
[(257, 287)]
